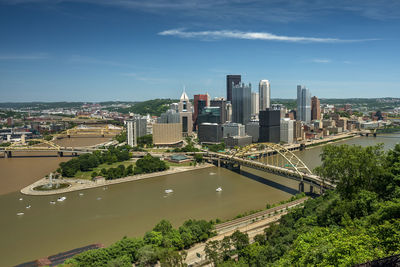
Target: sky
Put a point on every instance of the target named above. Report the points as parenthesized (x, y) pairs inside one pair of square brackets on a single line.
[(134, 50)]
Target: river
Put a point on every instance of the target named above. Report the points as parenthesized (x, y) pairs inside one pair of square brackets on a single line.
[(104, 215)]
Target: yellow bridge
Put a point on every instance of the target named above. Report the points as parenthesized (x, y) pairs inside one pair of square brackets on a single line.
[(41, 145), (272, 158)]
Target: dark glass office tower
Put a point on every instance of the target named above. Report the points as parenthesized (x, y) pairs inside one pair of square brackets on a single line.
[(241, 103), (231, 80), (270, 126)]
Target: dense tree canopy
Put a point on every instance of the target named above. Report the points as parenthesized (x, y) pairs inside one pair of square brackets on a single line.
[(87, 162), (162, 244)]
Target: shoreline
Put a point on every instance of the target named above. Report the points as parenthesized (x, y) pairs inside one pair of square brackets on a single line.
[(333, 140), (80, 184)]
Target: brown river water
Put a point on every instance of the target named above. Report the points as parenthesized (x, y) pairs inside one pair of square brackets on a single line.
[(104, 215)]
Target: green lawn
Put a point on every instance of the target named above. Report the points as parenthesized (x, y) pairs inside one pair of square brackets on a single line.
[(179, 164), (88, 175)]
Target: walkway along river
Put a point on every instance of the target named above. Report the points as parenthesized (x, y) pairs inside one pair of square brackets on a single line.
[(104, 215)]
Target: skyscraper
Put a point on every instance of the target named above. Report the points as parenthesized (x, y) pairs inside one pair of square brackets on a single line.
[(241, 103), (230, 81), (303, 104), (255, 103), (265, 94), (315, 108), (185, 111), (199, 103), (269, 130), (131, 132)]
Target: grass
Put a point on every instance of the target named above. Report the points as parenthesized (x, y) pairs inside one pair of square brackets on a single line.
[(88, 175), (179, 164)]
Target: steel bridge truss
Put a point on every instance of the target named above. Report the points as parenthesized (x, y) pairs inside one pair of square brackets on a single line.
[(286, 160), (25, 146)]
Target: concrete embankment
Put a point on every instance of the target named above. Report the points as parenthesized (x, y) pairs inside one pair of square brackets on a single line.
[(80, 184)]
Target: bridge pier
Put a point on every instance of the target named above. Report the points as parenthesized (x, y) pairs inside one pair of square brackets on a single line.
[(374, 134), (60, 154), (311, 189), (301, 187), (219, 162), (7, 154)]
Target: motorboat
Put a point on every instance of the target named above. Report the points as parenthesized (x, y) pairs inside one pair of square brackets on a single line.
[(20, 213), (212, 173), (219, 189), (21, 199), (81, 194), (167, 191), (99, 198), (60, 199), (28, 207), (52, 202)]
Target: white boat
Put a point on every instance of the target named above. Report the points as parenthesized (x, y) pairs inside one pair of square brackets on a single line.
[(219, 189), (52, 202), (28, 207), (167, 191), (212, 173), (21, 199), (99, 198), (20, 213), (81, 194), (60, 199)]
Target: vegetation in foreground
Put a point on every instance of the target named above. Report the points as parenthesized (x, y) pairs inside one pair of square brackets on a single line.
[(356, 223), (163, 244)]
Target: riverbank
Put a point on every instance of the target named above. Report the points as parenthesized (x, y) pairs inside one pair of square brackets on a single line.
[(328, 140), (81, 184)]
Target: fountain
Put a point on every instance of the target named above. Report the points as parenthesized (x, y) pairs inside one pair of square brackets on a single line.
[(51, 185)]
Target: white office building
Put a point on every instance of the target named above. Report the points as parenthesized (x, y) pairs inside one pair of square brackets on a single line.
[(265, 94), (131, 132), (255, 104), (233, 129), (287, 128)]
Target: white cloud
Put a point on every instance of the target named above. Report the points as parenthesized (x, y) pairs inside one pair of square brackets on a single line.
[(227, 34), (23, 56), (321, 60)]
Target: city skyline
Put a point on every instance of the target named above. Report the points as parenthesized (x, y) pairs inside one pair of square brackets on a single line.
[(133, 51)]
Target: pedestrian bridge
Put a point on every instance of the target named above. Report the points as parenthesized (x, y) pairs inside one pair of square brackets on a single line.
[(272, 158)]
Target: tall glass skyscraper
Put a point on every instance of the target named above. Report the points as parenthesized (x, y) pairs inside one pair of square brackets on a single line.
[(231, 80), (241, 103), (303, 104), (265, 94)]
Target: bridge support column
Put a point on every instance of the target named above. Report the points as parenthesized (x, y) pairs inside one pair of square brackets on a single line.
[(301, 187), (60, 154), (311, 189), (8, 154), (374, 134), (219, 163)]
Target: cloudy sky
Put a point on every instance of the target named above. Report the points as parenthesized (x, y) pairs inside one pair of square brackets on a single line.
[(94, 50)]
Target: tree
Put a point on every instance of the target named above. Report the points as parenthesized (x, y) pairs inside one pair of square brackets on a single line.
[(163, 226), (94, 174), (212, 250), (352, 168), (240, 240)]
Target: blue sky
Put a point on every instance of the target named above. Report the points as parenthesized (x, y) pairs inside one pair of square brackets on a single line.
[(95, 50)]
